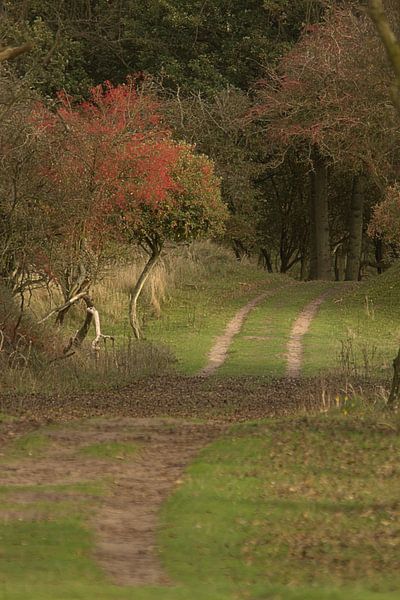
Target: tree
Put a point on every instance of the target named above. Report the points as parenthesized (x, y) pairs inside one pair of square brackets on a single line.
[(190, 44), (327, 103), (117, 175), (218, 128), (386, 216), (190, 208), (21, 226)]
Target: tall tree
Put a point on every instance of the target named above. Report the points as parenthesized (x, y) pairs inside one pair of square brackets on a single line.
[(116, 173), (328, 102)]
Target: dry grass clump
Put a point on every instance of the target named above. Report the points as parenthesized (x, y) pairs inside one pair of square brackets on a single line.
[(180, 267)]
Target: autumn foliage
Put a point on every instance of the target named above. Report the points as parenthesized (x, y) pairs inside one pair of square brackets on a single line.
[(330, 91), (116, 173), (385, 221), (114, 167)]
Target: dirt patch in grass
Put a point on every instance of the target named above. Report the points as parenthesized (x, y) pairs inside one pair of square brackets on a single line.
[(125, 518), (127, 521)]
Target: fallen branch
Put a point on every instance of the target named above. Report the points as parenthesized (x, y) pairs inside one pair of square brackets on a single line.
[(9, 53), (91, 313), (99, 335)]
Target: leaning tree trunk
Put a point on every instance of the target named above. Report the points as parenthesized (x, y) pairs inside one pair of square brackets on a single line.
[(138, 287), (264, 259), (10, 52), (395, 389), (320, 219), (355, 229)]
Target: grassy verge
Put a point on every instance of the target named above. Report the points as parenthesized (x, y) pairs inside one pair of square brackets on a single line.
[(187, 301), (292, 509), (305, 508), (357, 331)]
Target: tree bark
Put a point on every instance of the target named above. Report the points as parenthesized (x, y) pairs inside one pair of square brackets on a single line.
[(313, 242), (378, 245), (320, 219), (138, 287), (265, 260), (77, 340), (355, 229), (395, 389), (75, 281)]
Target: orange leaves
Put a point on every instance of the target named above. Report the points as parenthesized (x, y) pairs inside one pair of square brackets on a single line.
[(114, 168)]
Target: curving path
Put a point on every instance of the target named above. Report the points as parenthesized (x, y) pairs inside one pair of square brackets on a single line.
[(125, 521)]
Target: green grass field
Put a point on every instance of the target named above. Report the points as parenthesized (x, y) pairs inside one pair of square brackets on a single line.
[(358, 329), (292, 509), (301, 508), (260, 348), (195, 314)]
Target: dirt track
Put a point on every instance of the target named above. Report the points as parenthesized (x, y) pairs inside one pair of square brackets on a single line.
[(125, 520), (151, 413)]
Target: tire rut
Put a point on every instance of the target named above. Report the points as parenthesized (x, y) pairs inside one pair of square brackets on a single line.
[(299, 329)]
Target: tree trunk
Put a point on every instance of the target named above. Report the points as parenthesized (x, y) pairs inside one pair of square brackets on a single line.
[(320, 216), (395, 389), (12, 52), (77, 340), (75, 281), (138, 287), (239, 249), (303, 265), (355, 229), (378, 243), (92, 313), (313, 242), (265, 260)]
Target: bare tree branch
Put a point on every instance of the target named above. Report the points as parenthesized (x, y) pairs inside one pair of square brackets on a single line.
[(390, 42)]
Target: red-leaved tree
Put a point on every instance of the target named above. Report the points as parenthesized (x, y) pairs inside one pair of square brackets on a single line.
[(117, 174)]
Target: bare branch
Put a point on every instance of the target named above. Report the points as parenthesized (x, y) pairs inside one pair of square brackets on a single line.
[(390, 42), (64, 306)]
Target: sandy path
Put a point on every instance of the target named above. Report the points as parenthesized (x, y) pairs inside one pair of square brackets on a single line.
[(219, 352), (299, 329)]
